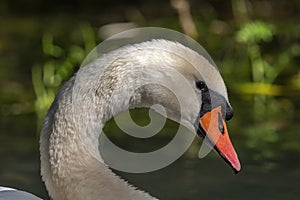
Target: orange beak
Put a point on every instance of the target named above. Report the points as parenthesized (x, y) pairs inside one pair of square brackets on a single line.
[(213, 126)]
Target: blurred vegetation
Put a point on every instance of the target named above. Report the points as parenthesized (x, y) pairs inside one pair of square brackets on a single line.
[(60, 63), (254, 43)]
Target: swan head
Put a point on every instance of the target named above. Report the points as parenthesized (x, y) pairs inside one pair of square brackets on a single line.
[(189, 86), (214, 113)]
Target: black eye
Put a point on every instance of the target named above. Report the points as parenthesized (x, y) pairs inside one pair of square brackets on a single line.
[(201, 85)]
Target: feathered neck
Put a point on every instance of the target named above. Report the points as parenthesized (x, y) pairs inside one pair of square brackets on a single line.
[(71, 165)]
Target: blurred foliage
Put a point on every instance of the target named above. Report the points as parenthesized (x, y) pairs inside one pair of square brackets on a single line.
[(255, 32), (264, 73), (60, 63)]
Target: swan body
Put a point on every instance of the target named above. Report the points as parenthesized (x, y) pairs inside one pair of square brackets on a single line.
[(71, 164), (13, 194)]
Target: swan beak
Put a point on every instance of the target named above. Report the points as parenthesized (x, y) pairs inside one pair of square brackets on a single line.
[(213, 126)]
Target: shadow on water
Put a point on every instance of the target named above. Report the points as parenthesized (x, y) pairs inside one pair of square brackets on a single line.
[(270, 167)]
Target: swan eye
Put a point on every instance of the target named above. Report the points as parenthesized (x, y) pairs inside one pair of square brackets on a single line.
[(201, 85)]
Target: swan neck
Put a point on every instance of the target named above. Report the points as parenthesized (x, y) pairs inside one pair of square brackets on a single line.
[(71, 164)]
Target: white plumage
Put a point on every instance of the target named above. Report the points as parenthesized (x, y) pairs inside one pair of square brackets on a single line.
[(71, 164)]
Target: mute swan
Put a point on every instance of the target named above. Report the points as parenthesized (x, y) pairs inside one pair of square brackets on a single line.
[(71, 164)]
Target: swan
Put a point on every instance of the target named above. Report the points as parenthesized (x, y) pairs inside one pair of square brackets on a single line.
[(71, 164)]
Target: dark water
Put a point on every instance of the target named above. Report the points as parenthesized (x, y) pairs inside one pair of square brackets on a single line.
[(270, 161)]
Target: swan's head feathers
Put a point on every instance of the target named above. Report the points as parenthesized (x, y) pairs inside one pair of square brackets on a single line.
[(187, 84)]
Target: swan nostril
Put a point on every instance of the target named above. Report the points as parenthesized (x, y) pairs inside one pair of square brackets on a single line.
[(220, 122)]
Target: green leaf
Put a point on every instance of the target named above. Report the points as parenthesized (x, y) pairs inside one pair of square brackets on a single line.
[(255, 32)]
